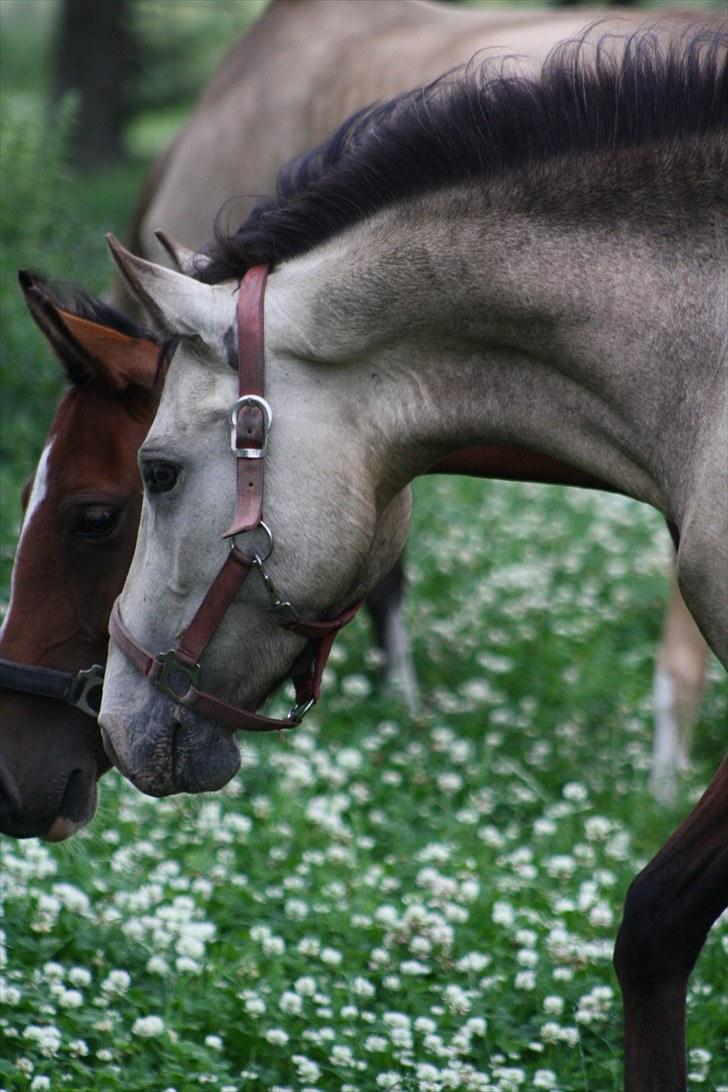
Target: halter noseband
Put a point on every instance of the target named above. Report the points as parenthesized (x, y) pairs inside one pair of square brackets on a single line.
[(176, 673)]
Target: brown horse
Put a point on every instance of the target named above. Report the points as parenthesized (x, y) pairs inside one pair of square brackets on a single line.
[(77, 539)]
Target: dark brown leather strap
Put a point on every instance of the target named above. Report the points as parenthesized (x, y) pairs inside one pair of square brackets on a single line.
[(251, 426), (211, 610)]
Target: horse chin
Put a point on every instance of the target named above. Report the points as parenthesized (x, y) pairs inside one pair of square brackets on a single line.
[(164, 749)]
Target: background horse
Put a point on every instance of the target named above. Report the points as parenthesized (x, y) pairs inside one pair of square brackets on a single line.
[(498, 293)]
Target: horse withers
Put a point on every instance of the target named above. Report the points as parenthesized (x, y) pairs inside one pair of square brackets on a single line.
[(556, 284)]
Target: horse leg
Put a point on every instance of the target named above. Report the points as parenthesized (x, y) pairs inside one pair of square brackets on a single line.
[(384, 603), (669, 909), (678, 688)]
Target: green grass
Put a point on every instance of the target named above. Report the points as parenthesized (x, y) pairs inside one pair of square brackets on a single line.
[(433, 898), (376, 893)]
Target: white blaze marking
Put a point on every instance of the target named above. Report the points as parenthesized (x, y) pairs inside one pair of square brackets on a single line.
[(37, 496)]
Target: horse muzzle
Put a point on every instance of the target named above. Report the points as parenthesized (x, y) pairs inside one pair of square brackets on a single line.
[(163, 748)]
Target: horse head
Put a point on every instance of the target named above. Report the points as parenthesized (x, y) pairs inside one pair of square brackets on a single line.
[(334, 528), (81, 512)]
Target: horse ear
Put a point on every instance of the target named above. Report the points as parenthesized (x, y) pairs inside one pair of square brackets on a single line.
[(117, 359), (48, 320), (87, 349), (185, 260), (176, 303)]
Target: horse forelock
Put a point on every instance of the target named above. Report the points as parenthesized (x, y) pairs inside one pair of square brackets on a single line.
[(481, 120)]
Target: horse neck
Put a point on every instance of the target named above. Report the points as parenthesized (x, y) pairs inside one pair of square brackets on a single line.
[(470, 318)]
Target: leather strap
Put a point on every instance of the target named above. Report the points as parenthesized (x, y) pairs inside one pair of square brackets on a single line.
[(77, 690), (251, 425)]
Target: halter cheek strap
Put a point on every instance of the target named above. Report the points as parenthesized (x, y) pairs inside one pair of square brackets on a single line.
[(177, 672)]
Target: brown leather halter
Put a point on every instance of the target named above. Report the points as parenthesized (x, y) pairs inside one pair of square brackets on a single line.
[(177, 673)]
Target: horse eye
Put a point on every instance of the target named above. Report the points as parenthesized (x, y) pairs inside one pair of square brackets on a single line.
[(95, 521), (159, 477)]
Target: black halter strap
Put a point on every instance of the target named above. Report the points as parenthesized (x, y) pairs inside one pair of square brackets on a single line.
[(81, 690)]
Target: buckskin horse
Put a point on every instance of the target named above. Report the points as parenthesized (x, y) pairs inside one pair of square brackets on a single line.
[(245, 131), (284, 86), (434, 273)]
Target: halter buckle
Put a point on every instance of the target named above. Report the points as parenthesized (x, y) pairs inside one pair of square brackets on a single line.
[(173, 669), (242, 402), (86, 682), (299, 709)]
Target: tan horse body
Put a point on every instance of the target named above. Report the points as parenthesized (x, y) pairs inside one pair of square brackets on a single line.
[(302, 69)]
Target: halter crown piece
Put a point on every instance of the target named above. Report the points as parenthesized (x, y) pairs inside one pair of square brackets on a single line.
[(177, 673)]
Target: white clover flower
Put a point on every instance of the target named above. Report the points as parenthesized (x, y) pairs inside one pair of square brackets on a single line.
[(574, 790), (308, 1070), (391, 982), (414, 967), (510, 1078), (156, 964), (544, 1078), (79, 976), (342, 1055), (276, 1036), (148, 1027), (503, 914), (9, 995), (389, 1081), (525, 980), (78, 1048), (296, 909), (375, 1044), (601, 915), (550, 1032), (24, 1065), (456, 999), (40, 1084), (214, 1042), (305, 985), (53, 972), (362, 987), (291, 1002), (48, 1038), (527, 957), (553, 1005), (70, 999), (356, 686), (449, 782), (186, 965), (116, 983), (105, 1055), (330, 956), (72, 898), (473, 961)]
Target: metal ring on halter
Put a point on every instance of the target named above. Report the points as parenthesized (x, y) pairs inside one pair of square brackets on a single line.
[(300, 708), (257, 558), (242, 402)]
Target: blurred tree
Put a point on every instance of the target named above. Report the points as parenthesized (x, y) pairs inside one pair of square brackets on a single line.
[(94, 59)]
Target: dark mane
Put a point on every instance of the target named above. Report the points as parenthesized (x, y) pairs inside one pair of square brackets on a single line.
[(478, 121)]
